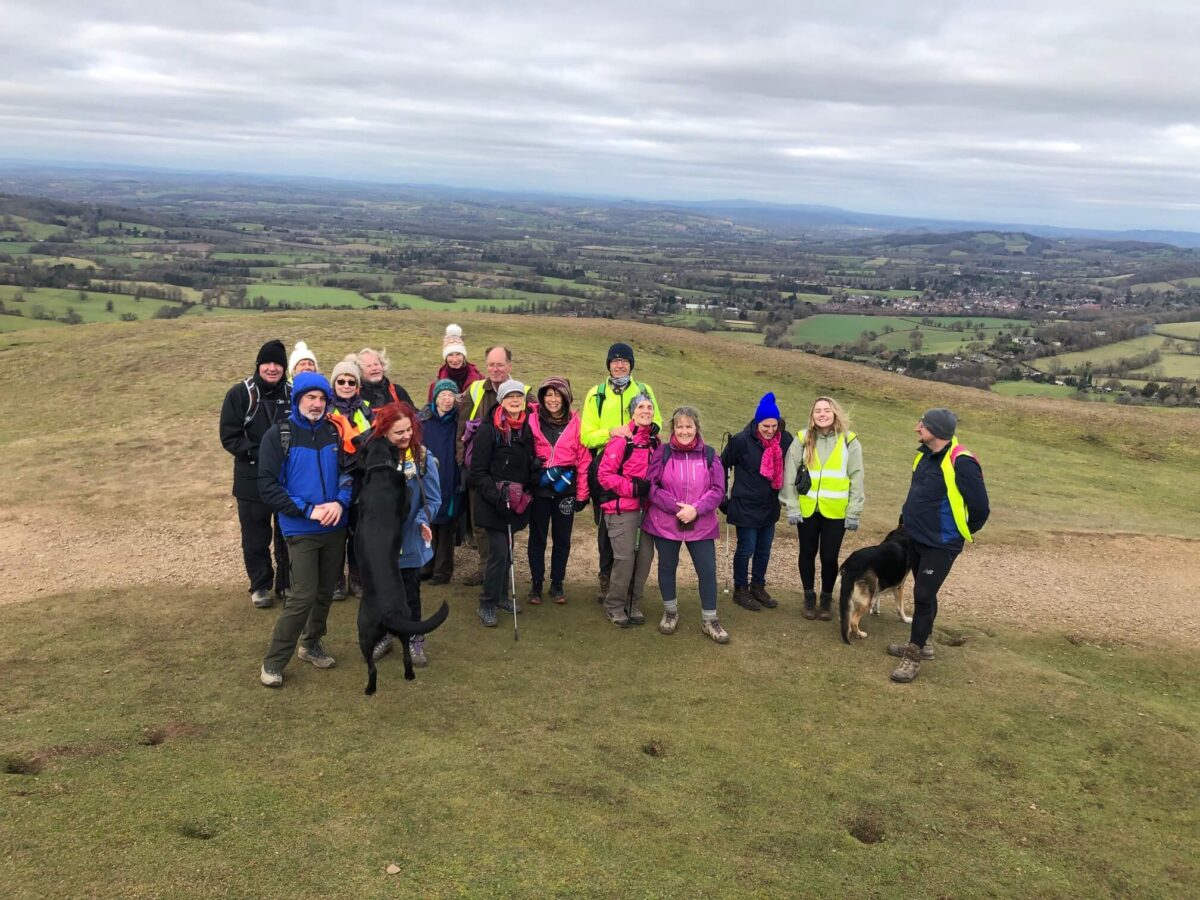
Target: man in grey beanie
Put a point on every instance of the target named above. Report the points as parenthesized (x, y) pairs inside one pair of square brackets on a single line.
[(947, 503)]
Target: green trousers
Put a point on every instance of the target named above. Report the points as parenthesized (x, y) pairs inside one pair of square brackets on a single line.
[(316, 562)]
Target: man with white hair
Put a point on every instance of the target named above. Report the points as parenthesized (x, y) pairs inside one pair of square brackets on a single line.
[(375, 387)]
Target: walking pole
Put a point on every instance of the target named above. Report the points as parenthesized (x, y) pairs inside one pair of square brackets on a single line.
[(728, 561), (512, 584)]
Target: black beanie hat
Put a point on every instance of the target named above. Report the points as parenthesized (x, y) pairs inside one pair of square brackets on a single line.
[(272, 352), (620, 351)]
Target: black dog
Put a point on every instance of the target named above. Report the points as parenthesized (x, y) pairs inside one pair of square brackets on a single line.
[(382, 509), (866, 574)]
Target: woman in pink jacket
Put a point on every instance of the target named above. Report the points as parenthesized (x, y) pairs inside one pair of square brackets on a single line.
[(687, 484), (622, 474), (562, 489)]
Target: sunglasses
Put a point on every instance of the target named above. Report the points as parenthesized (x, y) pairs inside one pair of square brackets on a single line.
[(346, 382)]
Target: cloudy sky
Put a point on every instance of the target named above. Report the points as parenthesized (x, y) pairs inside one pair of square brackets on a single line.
[(1066, 112)]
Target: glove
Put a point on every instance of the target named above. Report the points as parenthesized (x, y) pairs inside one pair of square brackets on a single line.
[(852, 524), (723, 506), (641, 487), (580, 505), (795, 518)]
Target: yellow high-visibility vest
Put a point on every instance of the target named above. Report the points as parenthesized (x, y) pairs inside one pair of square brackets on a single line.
[(958, 506), (830, 491)]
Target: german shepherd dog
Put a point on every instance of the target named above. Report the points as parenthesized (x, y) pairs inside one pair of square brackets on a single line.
[(866, 574), (382, 509)]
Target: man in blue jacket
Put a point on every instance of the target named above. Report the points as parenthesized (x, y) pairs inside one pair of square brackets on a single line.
[(947, 503), (301, 478)]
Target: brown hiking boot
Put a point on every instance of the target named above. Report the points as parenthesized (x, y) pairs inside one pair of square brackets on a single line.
[(743, 598), (825, 613), (910, 665), (810, 605), (636, 616), (759, 593), (602, 594), (898, 650)]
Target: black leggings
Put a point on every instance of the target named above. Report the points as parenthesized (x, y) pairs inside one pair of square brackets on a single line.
[(546, 518), (930, 566), (817, 532)]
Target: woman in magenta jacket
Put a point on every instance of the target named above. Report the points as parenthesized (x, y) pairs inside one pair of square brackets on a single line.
[(562, 489), (622, 476), (687, 484)]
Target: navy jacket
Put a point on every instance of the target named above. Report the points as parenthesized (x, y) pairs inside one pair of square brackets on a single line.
[(928, 519), (241, 439), (438, 434), (311, 474), (753, 503)]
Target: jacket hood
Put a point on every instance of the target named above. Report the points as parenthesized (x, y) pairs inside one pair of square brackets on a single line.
[(309, 381), (563, 386)]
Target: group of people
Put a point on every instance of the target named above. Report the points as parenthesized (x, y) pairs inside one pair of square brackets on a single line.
[(488, 456)]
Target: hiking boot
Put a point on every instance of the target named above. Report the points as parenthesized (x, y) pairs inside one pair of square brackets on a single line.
[(759, 593), (315, 654), (618, 617), (534, 598), (910, 664), (602, 594), (270, 677), (713, 629), (487, 616), (825, 613), (810, 605), (261, 599), (383, 648), (636, 616), (506, 606), (743, 598), (339, 592), (668, 623), (416, 648), (898, 650), (557, 594)]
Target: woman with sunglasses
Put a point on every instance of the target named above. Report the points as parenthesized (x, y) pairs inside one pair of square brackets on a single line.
[(352, 415)]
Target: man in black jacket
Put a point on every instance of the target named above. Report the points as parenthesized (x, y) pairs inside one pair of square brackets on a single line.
[(250, 408), (947, 503)]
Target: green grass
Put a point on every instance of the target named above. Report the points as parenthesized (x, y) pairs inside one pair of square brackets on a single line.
[(306, 295), (1071, 772), (1105, 353), (826, 330), (1031, 389), (14, 248), (56, 302), (1185, 330), (1173, 365)]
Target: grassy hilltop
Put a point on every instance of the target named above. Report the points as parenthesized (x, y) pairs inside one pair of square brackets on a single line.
[(143, 759)]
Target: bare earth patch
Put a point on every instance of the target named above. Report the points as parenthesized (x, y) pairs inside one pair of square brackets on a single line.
[(1112, 588)]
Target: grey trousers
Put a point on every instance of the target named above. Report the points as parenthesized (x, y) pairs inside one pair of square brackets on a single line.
[(633, 552), (316, 563)]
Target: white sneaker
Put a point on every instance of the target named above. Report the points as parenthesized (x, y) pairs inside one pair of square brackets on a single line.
[(270, 678), (261, 599), (383, 648), (416, 646)]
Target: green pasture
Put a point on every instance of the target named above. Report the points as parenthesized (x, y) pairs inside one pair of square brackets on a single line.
[(1105, 353), (14, 248), (1031, 389), (306, 295), (31, 230), (1173, 365), (56, 302), (1184, 330), (827, 330)]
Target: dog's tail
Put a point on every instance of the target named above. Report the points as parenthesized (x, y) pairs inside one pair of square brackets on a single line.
[(844, 605), (407, 629)]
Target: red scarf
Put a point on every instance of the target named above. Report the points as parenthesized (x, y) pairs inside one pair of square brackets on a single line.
[(675, 443), (772, 460), (506, 425)]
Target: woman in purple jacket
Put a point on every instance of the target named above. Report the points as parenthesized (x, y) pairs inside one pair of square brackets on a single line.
[(687, 483)]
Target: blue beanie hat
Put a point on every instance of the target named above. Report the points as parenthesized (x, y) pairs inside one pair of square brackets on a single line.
[(310, 381), (767, 409)]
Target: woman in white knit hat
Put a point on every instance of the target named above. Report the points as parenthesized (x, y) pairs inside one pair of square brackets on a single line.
[(301, 360), (454, 362)]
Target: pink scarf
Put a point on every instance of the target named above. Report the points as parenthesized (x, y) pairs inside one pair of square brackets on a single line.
[(772, 461)]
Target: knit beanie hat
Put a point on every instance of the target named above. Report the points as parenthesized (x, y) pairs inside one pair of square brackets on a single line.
[(348, 366), (940, 422), (444, 384), (453, 341), (562, 385), (306, 382), (620, 351), (638, 398), (300, 352), (512, 386), (272, 352), (767, 408)]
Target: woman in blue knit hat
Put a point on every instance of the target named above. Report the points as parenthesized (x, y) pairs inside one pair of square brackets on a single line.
[(756, 457)]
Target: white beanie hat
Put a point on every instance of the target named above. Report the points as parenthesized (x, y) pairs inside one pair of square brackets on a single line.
[(453, 342), (300, 352)]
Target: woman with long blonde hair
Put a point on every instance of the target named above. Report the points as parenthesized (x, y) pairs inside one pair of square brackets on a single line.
[(832, 456)]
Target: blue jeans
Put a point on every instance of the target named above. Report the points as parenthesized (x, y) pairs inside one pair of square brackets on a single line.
[(752, 543), (704, 558)]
